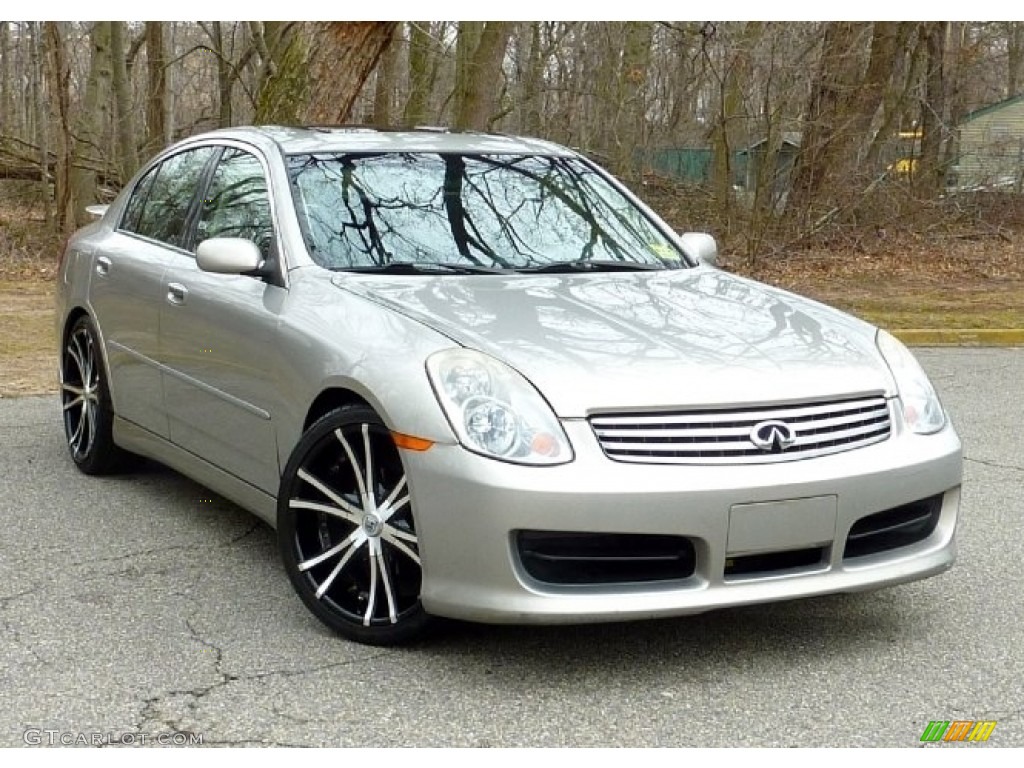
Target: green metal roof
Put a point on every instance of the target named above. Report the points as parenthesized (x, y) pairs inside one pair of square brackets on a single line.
[(991, 108)]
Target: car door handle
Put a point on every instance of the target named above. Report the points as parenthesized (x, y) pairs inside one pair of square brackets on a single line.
[(103, 266), (176, 293)]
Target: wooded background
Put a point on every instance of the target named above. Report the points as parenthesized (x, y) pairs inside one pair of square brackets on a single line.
[(763, 132)]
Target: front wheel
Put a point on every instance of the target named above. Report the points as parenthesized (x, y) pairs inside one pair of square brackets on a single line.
[(347, 532)]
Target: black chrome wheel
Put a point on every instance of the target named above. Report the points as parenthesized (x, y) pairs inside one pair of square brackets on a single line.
[(85, 402), (347, 532)]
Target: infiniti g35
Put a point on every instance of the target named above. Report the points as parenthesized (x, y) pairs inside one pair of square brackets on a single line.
[(473, 376)]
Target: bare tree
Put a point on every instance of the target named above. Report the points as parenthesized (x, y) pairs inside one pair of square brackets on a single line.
[(422, 72), (156, 98), (59, 76), (478, 86), (1014, 57), (127, 154), (930, 173)]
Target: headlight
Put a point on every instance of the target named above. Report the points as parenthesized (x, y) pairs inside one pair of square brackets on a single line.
[(922, 411), (494, 410)]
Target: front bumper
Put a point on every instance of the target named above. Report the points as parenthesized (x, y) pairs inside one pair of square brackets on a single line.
[(469, 509)]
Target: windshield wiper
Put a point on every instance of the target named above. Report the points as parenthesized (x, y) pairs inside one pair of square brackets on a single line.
[(592, 265), (423, 268)]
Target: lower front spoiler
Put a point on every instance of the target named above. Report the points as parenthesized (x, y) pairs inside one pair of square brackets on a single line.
[(579, 605)]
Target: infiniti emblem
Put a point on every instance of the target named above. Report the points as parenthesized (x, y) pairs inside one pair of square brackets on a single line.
[(772, 436)]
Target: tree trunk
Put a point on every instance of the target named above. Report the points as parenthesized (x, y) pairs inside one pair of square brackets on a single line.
[(225, 77), (820, 185), (735, 70), (481, 76), (467, 36), (1014, 58), (632, 90), (283, 87), (384, 88), (156, 97), (897, 92), (342, 56), (604, 40), (127, 155), (7, 113), (59, 77), (420, 74), (533, 74), (91, 121), (930, 174), (37, 79)]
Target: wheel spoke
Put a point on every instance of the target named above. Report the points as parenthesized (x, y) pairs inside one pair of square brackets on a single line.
[(330, 494), (386, 513), (394, 492), (89, 413), (390, 538), (89, 358), (78, 400), (354, 539), (373, 587), (348, 514), (76, 435), (356, 470), (75, 354), (368, 455), (386, 580), (72, 389), (398, 533), (337, 569)]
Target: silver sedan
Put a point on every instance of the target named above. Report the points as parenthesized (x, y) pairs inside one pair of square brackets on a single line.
[(473, 376)]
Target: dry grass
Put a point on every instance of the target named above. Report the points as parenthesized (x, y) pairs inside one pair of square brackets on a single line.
[(28, 357)]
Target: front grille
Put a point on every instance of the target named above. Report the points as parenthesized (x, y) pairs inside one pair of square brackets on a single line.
[(559, 557), (723, 435), (773, 562), (897, 527)]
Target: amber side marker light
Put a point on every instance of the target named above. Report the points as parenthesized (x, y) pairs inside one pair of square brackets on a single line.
[(411, 443)]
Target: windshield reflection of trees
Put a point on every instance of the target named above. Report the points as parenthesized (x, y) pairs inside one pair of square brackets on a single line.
[(505, 211)]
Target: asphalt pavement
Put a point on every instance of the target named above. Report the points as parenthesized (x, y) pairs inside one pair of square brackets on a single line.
[(144, 609)]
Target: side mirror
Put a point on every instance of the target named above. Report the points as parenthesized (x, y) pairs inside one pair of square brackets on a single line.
[(700, 247), (229, 256), (97, 212)]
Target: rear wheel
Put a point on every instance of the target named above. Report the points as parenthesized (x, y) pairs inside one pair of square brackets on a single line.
[(85, 402), (347, 532)]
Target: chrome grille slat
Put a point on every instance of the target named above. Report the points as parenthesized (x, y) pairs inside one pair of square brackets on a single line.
[(741, 414), (722, 436)]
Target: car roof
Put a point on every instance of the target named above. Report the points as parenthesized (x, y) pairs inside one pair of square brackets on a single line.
[(316, 139)]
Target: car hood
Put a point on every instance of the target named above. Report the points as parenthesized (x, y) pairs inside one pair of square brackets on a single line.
[(604, 341)]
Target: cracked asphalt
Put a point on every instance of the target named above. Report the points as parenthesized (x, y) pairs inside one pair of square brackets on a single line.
[(143, 605)]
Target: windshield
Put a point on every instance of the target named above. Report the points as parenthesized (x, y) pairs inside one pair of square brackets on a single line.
[(497, 212)]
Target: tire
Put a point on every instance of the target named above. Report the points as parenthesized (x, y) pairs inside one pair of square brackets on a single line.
[(85, 403), (346, 530)]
